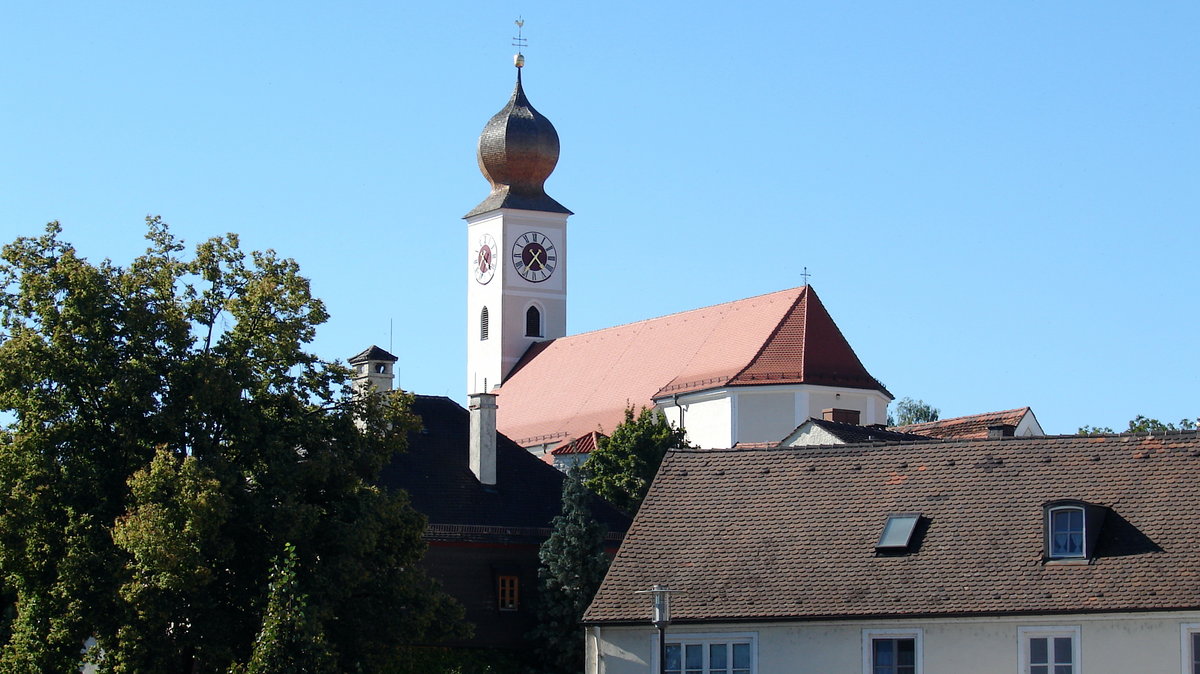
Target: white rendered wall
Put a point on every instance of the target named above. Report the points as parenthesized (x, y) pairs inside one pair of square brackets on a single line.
[(1126, 642), (706, 418), (508, 296), (722, 417)]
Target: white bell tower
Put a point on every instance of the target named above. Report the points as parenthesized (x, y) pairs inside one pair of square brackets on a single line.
[(516, 245)]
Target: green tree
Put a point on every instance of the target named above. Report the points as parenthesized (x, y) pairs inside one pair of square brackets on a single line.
[(168, 434), (909, 411), (622, 466), (291, 640), (573, 563), (1142, 424)]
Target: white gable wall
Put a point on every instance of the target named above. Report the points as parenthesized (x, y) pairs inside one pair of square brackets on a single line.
[(723, 417), (1127, 642)]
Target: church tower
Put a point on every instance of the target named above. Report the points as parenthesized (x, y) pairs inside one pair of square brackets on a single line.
[(516, 244)]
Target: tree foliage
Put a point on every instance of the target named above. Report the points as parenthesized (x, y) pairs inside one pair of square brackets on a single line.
[(573, 563), (909, 411), (168, 435), (292, 640), (1142, 424), (623, 465)]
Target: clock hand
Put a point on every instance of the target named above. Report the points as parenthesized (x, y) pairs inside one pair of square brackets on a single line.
[(534, 258)]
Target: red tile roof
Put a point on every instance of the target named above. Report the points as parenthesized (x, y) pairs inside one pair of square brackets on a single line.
[(570, 386), (964, 428), (581, 445), (790, 533)]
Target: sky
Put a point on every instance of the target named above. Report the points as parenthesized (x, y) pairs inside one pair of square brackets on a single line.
[(998, 203)]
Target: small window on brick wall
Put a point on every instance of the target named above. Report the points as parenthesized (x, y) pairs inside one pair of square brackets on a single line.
[(508, 593)]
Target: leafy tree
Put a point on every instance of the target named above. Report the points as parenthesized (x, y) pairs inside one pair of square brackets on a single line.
[(909, 411), (573, 563), (1142, 424), (168, 434), (291, 641), (622, 466)]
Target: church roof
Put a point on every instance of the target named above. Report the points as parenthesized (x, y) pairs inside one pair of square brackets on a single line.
[(961, 428), (435, 472), (785, 337), (791, 533)]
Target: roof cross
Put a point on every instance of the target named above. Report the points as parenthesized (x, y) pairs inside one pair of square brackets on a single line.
[(804, 274)]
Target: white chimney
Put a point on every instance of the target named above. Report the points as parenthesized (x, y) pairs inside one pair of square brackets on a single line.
[(483, 436), (372, 370)]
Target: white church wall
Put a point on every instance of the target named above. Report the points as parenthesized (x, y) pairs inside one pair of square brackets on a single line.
[(764, 413), (765, 416), (707, 417)]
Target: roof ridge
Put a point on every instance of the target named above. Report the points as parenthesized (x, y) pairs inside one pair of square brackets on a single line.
[(966, 416), (802, 297), (679, 313)]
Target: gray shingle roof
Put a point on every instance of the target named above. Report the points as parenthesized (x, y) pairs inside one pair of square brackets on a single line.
[(790, 533)]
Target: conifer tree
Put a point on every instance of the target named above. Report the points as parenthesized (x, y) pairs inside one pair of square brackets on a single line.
[(573, 563)]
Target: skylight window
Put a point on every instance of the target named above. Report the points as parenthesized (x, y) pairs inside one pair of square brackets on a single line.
[(897, 533)]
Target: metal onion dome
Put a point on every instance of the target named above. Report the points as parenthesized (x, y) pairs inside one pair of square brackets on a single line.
[(518, 150)]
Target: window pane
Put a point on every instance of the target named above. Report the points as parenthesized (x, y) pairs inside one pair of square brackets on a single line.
[(884, 650), (1064, 669), (1062, 651), (673, 658), (741, 656), (1039, 669), (693, 656), (1196, 653), (718, 656), (906, 652), (1038, 652)]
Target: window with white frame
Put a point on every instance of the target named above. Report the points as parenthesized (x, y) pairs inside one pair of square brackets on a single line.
[(1066, 532), (1189, 654), (892, 651), (711, 654), (1049, 650)]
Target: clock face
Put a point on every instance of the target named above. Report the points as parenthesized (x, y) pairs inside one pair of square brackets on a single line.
[(484, 263), (534, 257)]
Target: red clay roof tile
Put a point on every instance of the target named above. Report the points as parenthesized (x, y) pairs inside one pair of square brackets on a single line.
[(571, 386)]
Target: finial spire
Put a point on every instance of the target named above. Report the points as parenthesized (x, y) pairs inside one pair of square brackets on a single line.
[(520, 43)]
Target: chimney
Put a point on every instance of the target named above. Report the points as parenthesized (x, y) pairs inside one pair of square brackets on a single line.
[(840, 416), (372, 370), (483, 436), (1001, 431)]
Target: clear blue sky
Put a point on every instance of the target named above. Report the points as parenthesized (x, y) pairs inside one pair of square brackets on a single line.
[(998, 202)]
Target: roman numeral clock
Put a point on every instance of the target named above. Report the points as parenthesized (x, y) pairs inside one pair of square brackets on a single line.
[(534, 257)]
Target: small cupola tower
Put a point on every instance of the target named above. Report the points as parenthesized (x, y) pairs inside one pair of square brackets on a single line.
[(516, 243), (372, 370)]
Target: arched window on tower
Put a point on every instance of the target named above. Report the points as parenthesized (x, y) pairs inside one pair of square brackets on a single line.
[(483, 324), (533, 322)]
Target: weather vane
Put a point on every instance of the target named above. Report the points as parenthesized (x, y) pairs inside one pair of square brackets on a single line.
[(520, 42), (805, 275)]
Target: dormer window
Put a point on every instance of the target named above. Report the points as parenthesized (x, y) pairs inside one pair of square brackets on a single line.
[(1072, 528), (1066, 532)]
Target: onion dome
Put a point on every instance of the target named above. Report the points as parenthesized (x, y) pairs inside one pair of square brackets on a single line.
[(518, 150)]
